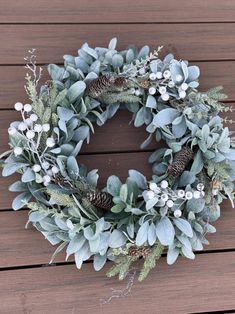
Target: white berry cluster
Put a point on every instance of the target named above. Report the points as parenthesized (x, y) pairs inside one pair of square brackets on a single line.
[(32, 131), (161, 82), (163, 192)]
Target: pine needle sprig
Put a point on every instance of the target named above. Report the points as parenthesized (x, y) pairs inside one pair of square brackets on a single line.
[(150, 260), (61, 199), (122, 266)]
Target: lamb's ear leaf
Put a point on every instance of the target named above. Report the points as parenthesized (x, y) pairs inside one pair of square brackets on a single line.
[(165, 231)]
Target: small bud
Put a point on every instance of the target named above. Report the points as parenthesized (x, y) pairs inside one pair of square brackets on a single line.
[(38, 128), (159, 75), (179, 78), (188, 195), (55, 169), (33, 117), (164, 197), (30, 134), (164, 184), (50, 142), (167, 74), (27, 107), (18, 106), (18, 151), (170, 203), (152, 90), (165, 96), (177, 213), (36, 168), (152, 76), (46, 127), (12, 130), (162, 90), (184, 86), (196, 194), (22, 126)]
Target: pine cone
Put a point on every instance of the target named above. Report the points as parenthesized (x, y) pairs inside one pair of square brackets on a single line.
[(144, 84), (180, 161), (120, 82), (139, 251), (99, 86), (101, 200)]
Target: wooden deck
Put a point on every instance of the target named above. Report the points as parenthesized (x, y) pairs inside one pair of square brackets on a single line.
[(202, 31)]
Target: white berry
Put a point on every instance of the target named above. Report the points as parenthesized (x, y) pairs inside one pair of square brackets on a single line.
[(12, 131), (153, 186), (182, 94), (181, 193), (200, 186), (164, 184), (33, 117), (142, 71), (18, 151), (46, 178), (45, 165), (162, 90), (152, 76), (150, 195), (184, 86), (55, 169), (38, 128), (22, 126), (188, 195), (179, 78), (159, 75), (27, 107), (137, 92), (196, 194), (171, 84), (18, 106), (152, 90), (170, 203), (50, 142), (36, 168), (165, 96), (30, 134), (177, 213), (46, 127), (28, 121), (167, 74), (164, 197)]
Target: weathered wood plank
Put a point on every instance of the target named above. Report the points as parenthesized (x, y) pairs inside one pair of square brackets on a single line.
[(205, 285), (193, 42), (212, 74), (108, 164), (20, 246), (105, 11)]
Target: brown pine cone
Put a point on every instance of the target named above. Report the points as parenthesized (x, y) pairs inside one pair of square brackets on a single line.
[(142, 251), (180, 162), (100, 85), (101, 200)]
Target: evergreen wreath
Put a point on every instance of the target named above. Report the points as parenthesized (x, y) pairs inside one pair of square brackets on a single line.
[(137, 218)]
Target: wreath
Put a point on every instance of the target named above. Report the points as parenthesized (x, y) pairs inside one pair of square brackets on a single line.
[(137, 218)]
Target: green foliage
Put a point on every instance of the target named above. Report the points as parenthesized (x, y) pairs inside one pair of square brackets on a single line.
[(122, 266), (60, 198), (150, 261)]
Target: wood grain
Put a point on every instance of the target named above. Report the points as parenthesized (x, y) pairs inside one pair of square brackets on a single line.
[(212, 74), (25, 247), (192, 42), (204, 285), (111, 11)]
